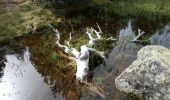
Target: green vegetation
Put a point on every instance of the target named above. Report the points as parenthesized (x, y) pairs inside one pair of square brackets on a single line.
[(22, 17), (149, 9)]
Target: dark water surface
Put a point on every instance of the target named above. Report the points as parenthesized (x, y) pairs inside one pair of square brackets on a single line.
[(26, 73)]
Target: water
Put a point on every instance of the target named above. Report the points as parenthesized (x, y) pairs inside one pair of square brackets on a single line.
[(28, 71), (21, 81)]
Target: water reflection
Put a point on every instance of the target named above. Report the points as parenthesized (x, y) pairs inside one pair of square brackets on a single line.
[(46, 80), (21, 81), (62, 80), (53, 65)]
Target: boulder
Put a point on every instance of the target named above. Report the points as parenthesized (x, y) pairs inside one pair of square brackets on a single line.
[(148, 75)]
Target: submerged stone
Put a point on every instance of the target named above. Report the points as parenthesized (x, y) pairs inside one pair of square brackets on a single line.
[(149, 75)]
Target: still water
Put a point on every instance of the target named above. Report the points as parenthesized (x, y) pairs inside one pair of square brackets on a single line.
[(21, 81), (26, 75)]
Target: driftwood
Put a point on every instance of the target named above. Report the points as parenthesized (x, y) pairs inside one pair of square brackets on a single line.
[(82, 57), (140, 33)]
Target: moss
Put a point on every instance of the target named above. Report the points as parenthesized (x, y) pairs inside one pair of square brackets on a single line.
[(23, 18)]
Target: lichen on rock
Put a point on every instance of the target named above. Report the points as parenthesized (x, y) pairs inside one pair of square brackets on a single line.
[(148, 76)]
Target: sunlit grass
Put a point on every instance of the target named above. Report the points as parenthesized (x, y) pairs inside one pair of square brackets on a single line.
[(150, 9), (22, 19)]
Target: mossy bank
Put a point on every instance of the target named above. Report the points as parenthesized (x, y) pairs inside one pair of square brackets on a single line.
[(20, 17)]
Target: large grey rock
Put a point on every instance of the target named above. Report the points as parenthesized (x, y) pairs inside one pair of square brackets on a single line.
[(149, 75)]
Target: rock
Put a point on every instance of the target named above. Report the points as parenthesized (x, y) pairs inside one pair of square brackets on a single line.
[(149, 75)]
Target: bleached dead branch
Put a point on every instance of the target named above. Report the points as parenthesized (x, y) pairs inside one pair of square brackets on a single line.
[(68, 42), (66, 48), (140, 33), (82, 57), (92, 40)]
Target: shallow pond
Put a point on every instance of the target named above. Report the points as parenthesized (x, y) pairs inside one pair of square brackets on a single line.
[(29, 71)]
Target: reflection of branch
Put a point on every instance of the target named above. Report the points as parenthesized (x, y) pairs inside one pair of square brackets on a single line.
[(140, 33)]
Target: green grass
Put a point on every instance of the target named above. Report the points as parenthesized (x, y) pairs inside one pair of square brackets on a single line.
[(22, 18), (150, 9)]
